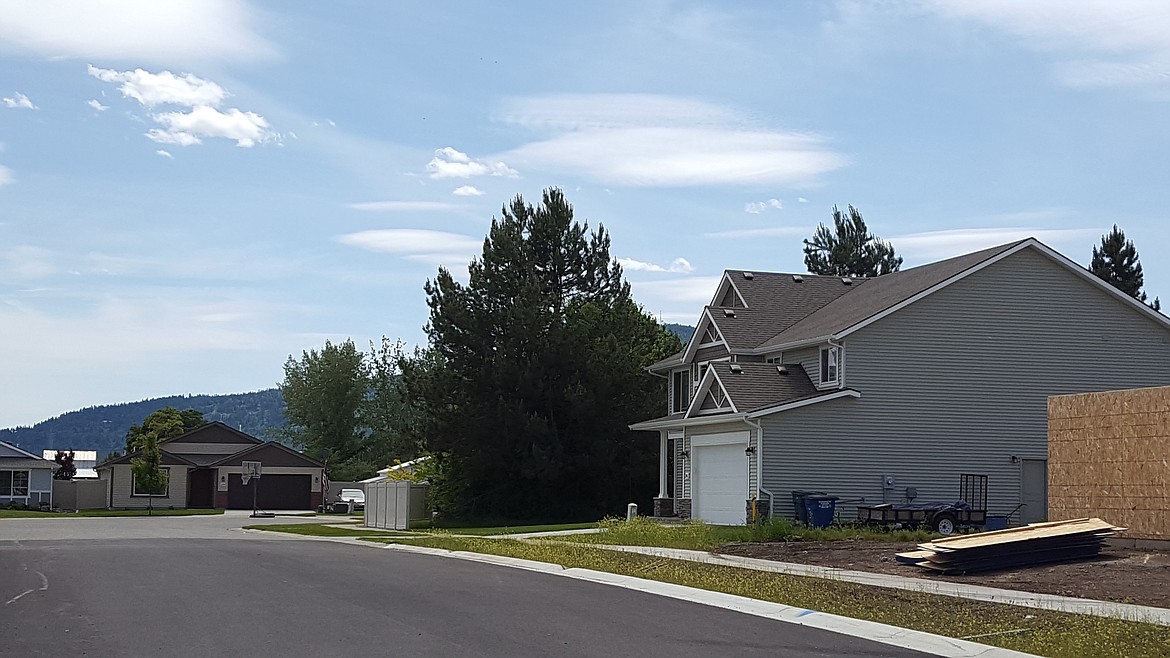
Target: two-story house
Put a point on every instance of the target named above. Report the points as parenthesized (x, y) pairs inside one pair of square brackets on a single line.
[(886, 389)]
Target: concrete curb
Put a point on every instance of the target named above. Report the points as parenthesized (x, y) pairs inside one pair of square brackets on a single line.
[(883, 633), (1126, 611)]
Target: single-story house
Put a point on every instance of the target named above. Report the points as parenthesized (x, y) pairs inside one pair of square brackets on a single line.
[(25, 479), (887, 389), (205, 467)]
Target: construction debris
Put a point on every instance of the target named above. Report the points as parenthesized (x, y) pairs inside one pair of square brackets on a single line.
[(1038, 543)]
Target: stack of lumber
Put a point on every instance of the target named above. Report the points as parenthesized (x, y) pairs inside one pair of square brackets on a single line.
[(1038, 543)]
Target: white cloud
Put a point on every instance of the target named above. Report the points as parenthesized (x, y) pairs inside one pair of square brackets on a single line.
[(801, 199), (151, 89), (468, 190), (678, 266), (95, 104), (27, 262), (402, 206), (124, 30), (679, 298), (186, 128), (757, 207), (663, 141), (1100, 43), (450, 163), (164, 153), (6, 177), (420, 244), (20, 101), (933, 245)]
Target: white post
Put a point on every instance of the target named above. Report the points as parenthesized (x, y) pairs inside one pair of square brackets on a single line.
[(631, 511), (662, 445)]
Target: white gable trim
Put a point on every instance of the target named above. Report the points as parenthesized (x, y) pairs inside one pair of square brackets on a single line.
[(845, 393), (722, 289), (695, 408), (682, 423), (23, 452), (705, 321)]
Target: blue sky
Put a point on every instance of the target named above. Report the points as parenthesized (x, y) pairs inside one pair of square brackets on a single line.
[(192, 191)]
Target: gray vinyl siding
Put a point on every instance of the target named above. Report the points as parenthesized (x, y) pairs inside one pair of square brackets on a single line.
[(958, 383), (708, 353), (809, 358)]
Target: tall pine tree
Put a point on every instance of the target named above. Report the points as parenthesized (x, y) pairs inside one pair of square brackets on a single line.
[(849, 249), (536, 371), (1116, 262)]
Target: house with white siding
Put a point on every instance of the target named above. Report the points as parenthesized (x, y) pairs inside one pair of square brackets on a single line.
[(887, 389)]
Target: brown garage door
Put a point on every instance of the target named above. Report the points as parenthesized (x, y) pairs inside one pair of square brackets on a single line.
[(277, 492)]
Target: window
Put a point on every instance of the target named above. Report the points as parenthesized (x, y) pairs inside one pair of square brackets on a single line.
[(680, 391), (166, 490), (830, 364), (13, 483)]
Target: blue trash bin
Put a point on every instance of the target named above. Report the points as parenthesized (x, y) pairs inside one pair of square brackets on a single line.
[(798, 496), (821, 510)]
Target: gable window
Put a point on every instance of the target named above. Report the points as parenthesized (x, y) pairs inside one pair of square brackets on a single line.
[(13, 483), (166, 490), (680, 391), (830, 364)]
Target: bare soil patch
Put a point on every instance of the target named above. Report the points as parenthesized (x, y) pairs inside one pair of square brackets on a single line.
[(1119, 574)]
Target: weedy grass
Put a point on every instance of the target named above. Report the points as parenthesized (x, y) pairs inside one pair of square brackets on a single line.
[(696, 535), (321, 530), (32, 514), (498, 529), (1041, 632)]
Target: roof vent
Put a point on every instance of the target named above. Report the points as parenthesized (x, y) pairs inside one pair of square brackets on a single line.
[(846, 280), (797, 278), (729, 312), (736, 368), (749, 275), (782, 370)]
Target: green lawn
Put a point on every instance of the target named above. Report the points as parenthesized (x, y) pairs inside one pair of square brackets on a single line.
[(503, 529), (29, 514), (1045, 633)]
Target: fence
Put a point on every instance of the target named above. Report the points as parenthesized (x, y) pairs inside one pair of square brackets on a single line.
[(393, 505), (79, 494), (1107, 457)]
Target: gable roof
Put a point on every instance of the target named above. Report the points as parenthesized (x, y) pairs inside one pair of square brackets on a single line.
[(272, 453), (167, 459), (9, 451), (213, 432)]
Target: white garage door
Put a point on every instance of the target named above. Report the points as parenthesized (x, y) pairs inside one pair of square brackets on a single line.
[(720, 483)]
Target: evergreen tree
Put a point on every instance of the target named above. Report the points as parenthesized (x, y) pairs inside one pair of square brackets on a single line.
[(1116, 262), (849, 249), (535, 373)]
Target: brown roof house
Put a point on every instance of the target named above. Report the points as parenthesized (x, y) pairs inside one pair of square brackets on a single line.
[(205, 466), (887, 389)]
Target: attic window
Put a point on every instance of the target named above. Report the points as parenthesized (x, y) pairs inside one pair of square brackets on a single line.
[(749, 275), (736, 368), (846, 280), (729, 313)]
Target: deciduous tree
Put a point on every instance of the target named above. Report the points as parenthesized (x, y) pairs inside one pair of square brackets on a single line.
[(323, 393), (163, 424), (849, 249), (65, 468)]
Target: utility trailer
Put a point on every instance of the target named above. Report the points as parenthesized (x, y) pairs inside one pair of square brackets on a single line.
[(969, 511)]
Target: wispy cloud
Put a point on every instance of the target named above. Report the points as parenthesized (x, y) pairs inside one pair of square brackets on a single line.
[(1098, 43), (203, 97), (164, 153), (96, 104), (178, 30), (678, 266), (933, 245), (402, 206), (6, 177), (675, 300), (468, 190), (19, 101), (662, 141), (757, 207), (768, 232), (424, 245), (451, 163)]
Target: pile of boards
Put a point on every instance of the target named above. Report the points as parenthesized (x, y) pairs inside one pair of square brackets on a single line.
[(1038, 543)]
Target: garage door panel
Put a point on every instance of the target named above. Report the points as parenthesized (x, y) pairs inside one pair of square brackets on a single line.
[(720, 486), (276, 492)]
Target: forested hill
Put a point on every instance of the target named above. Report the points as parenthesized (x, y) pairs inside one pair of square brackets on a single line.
[(684, 332), (104, 428)]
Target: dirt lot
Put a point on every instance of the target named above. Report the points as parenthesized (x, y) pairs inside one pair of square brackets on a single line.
[(1124, 575)]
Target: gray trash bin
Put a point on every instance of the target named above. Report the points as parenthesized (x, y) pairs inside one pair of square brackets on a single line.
[(341, 507)]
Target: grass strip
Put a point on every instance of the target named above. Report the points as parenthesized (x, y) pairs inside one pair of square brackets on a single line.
[(31, 514), (457, 529), (322, 530), (1041, 632)]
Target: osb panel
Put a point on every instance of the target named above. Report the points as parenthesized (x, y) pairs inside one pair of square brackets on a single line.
[(1109, 457)]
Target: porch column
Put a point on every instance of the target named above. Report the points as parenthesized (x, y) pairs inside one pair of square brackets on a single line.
[(662, 445)]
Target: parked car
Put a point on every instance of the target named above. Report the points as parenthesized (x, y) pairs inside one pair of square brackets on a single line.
[(355, 497)]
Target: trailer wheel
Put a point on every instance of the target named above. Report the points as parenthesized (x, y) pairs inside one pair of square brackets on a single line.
[(943, 523)]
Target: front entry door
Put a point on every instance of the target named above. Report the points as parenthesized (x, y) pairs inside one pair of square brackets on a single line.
[(1034, 490)]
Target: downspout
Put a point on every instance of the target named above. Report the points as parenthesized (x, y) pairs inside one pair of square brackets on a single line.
[(760, 465)]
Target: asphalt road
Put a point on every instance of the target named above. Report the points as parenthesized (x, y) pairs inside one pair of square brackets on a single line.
[(253, 596)]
